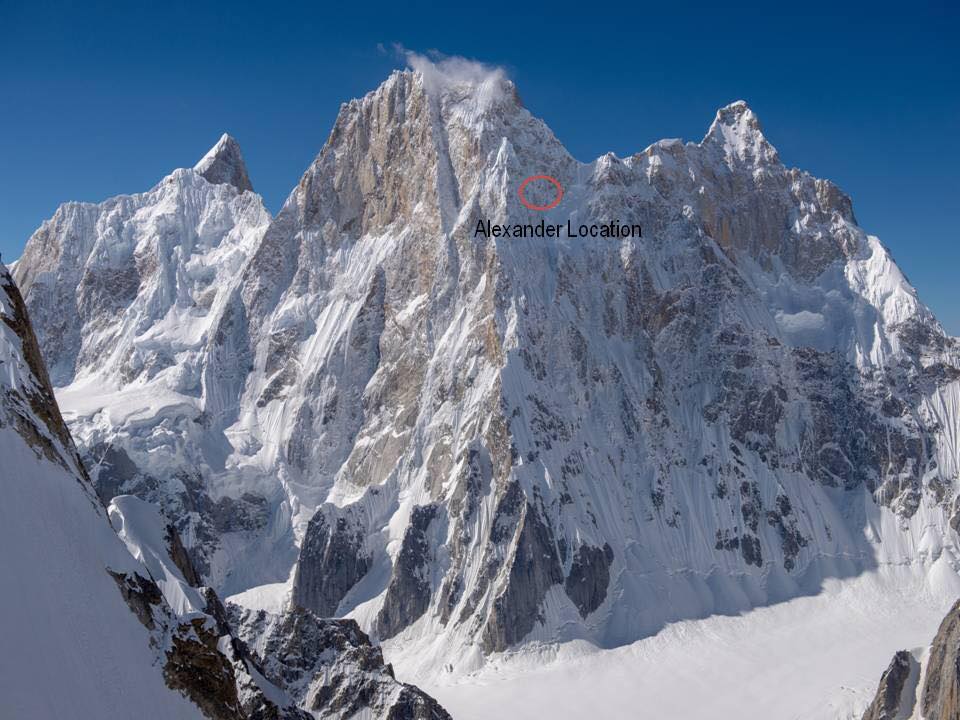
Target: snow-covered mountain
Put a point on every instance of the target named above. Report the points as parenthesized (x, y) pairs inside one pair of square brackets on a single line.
[(129, 293), (364, 409), (103, 613)]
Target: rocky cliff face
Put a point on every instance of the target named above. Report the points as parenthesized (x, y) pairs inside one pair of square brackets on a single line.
[(330, 668), (896, 694), (28, 401), (927, 691), (224, 164), (940, 698), (494, 441)]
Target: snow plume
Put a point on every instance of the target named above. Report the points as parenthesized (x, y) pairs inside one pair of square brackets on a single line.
[(441, 74)]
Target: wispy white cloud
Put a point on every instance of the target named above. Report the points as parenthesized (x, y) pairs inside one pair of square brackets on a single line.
[(441, 72)]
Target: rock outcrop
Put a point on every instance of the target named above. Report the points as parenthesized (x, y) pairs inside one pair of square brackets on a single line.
[(224, 164), (330, 668), (586, 585), (236, 664), (896, 694), (940, 698), (408, 594), (332, 560)]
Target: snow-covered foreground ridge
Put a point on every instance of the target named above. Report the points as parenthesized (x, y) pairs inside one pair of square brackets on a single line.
[(468, 444), (72, 646)]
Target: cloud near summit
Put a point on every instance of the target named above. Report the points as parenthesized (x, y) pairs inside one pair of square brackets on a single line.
[(441, 72)]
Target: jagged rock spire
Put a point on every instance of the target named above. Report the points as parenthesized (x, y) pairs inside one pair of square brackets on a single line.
[(737, 131), (224, 164)]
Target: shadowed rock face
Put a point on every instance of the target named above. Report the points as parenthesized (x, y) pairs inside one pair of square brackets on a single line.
[(332, 560), (202, 658), (180, 557), (586, 585), (534, 568), (190, 509), (408, 595), (896, 695), (941, 688), (243, 665), (224, 165), (197, 668)]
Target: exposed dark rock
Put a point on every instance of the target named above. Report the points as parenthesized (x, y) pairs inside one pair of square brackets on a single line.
[(331, 668), (111, 469), (140, 594), (201, 672), (224, 165), (193, 665), (255, 704), (534, 569), (248, 512), (408, 595), (190, 509), (502, 530), (586, 585), (332, 560), (750, 549), (791, 539), (751, 507), (895, 697), (413, 704), (955, 515), (40, 401), (917, 336), (941, 688), (178, 553), (106, 289), (727, 540), (850, 442)]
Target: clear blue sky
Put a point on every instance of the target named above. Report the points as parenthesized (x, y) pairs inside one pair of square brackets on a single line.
[(98, 99)]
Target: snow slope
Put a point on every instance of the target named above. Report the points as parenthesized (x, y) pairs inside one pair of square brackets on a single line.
[(811, 658), (74, 648)]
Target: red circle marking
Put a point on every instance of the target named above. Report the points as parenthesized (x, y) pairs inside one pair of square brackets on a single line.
[(541, 208)]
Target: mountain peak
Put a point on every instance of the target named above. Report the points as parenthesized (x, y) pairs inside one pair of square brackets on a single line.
[(735, 111), (469, 83), (737, 130), (223, 164)]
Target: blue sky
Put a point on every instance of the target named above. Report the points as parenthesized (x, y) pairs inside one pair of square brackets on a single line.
[(99, 99)]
